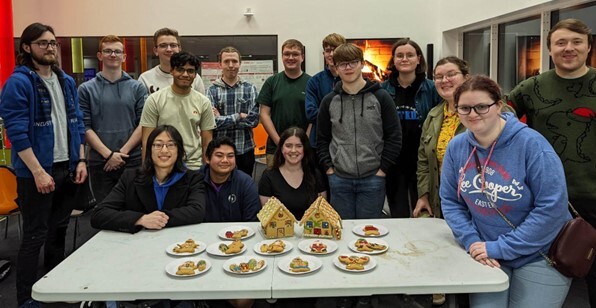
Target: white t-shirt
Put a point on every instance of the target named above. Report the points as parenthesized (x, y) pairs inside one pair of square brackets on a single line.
[(155, 79), (189, 114)]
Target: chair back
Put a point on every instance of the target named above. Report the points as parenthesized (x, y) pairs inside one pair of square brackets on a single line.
[(260, 137), (8, 190)]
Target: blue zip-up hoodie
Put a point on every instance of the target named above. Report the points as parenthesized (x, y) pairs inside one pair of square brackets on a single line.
[(236, 200), (524, 178), (426, 98), (26, 106), (317, 87)]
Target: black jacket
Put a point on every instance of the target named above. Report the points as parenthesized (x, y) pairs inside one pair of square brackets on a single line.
[(133, 196)]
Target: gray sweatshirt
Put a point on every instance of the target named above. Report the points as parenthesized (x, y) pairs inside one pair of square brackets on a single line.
[(113, 111), (358, 134)]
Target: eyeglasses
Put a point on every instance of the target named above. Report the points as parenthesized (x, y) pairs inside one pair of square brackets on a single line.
[(181, 70), (166, 45), (291, 54), (405, 56), (44, 44), (344, 65), (479, 109), (109, 52), (449, 75), (158, 146)]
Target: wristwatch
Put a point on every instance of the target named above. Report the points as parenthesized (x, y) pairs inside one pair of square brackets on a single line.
[(83, 160)]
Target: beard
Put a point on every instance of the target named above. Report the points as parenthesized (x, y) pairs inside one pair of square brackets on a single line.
[(46, 59)]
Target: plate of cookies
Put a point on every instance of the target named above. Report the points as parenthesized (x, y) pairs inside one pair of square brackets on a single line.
[(236, 232), (244, 265), (369, 246), (355, 262), (298, 265), (188, 248), (370, 230), (272, 247), (317, 246), (188, 267), (226, 248)]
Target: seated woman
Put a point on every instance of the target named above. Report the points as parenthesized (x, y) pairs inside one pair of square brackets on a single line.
[(497, 174), (163, 193), (294, 178)]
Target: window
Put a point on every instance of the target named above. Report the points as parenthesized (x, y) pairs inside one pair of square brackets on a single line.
[(519, 51), (477, 50)]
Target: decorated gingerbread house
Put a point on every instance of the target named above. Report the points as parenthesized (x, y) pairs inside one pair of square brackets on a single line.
[(321, 220), (276, 220)]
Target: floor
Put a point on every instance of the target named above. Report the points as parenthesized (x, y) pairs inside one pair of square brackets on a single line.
[(576, 298)]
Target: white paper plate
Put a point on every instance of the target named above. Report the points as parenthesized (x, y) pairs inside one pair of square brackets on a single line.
[(352, 246), (222, 232), (367, 267), (304, 246), (198, 250), (213, 249), (359, 230), (313, 263), (243, 259), (257, 248), (172, 267)]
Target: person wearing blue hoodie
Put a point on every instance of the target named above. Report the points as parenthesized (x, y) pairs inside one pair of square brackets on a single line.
[(40, 108), (112, 104), (501, 172), (162, 193)]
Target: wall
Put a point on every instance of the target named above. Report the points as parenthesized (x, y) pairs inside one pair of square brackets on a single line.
[(306, 20)]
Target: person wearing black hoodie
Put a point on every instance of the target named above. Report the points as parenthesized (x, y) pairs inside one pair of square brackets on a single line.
[(359, 138)]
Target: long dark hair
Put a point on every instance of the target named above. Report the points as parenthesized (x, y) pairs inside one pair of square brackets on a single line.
[(30, 34), (148, 167), (308, 161)]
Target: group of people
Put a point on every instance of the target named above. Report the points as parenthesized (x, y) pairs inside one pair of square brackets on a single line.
[(166, 152)]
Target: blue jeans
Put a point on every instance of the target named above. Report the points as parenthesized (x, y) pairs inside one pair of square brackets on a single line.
[(535, 284), (361, 198)]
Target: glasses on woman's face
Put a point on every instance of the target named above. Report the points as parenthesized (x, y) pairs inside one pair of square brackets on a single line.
[(159, 146), (479, 109), (351, 64), (450, 75)]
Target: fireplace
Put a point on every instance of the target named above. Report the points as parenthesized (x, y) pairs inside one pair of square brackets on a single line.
[(377, 54)]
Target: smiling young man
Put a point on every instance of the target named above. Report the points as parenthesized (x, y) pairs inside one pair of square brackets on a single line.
[(359, 138), (282, 96), (235, 108), (40, 108), (184, 108), (111, 103), (231, 195), (561, 105), (166, 43)]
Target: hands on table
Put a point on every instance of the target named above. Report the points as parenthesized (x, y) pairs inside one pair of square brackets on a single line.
[(155, 220), (478, 252)]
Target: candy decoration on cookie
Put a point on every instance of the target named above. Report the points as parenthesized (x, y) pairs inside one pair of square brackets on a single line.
[(187, 247), (233, 248), (297, 265), (188, 267), (354, 262), (245, 267), (318, 247), (237, 234), (275, 247), (364, 245), (371, 230)]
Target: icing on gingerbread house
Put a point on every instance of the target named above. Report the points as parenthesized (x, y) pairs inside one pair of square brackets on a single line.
[(276, 220), (321, 220)]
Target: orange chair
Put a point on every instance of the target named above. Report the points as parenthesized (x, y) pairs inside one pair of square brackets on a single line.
[(260, 137), (8, 197)]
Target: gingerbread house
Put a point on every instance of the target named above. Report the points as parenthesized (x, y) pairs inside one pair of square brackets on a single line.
[(276, 220), (321, 220)]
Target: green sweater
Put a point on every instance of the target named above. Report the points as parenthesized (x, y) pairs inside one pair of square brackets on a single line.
[(564, 111)]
